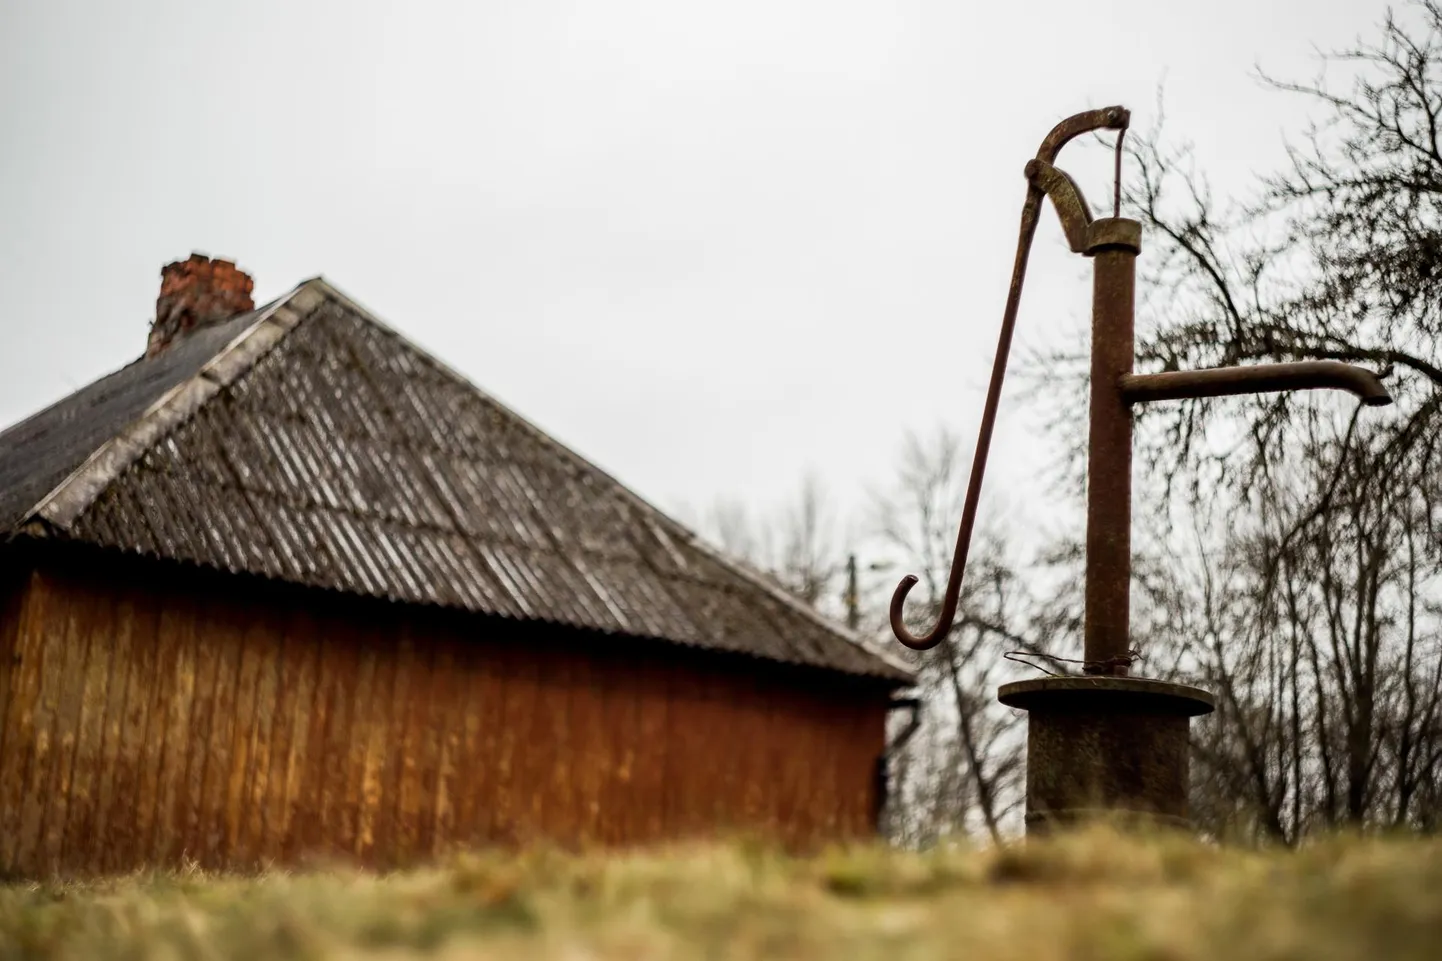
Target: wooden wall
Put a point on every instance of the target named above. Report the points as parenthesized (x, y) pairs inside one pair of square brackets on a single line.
[(150, 718)]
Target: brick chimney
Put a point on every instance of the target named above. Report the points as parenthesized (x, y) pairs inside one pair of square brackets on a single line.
[(196, 293)]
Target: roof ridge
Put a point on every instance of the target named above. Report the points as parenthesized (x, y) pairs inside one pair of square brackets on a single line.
[(648, 510), (78, 490)]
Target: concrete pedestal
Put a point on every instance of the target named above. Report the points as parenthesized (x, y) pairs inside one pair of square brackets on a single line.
[(1106, 746)]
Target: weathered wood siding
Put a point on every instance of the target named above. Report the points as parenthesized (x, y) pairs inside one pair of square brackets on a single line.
[(153, 718)]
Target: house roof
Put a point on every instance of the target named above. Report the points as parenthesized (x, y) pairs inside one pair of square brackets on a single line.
[(309, 443)]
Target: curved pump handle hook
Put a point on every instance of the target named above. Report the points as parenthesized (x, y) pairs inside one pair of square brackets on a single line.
[(1107, 118)]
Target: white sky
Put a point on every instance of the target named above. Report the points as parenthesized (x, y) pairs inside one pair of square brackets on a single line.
[(710, 246)]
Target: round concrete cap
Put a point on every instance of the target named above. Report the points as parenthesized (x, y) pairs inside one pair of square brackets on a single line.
[(1107, 693)]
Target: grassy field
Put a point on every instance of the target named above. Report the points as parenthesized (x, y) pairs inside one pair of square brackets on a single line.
[(1091, 895)]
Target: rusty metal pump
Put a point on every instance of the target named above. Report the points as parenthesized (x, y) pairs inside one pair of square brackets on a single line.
[(1106, 742)]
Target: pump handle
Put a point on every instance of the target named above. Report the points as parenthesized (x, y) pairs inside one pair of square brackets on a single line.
[(1107, 118)]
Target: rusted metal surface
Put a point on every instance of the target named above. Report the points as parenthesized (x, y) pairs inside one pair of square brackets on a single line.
[(1115, 118), (1105, 118), (1066, 198), (1109, 464), (348, 460), (1258, 379), (155, 715)]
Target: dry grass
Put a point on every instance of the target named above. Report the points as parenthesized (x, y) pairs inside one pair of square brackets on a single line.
[(1092, 895)]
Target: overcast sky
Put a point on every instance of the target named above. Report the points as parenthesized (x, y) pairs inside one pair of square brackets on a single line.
[(710, 246)]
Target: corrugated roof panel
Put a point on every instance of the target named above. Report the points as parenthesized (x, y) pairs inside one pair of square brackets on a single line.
[(615, 606), (296, 528), (321, 465), (358, 556), (525, 571), (512, 581), (174, 532), (418, 502), (480, 511), (649, 605), (396, 564), (469, 578), (292, 560), (564, 588)]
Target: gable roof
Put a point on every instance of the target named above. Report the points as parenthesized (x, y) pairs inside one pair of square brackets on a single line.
[(309, 443)]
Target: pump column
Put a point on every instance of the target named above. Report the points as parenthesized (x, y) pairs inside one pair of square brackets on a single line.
[(1113, 243)]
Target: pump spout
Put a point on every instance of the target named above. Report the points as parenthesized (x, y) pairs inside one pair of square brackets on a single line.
[(1256, 379)]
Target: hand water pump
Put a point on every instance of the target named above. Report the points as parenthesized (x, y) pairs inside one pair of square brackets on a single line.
[(1106, 742)]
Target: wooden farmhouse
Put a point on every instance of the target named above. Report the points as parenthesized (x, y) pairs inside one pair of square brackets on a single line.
[(287, 587)]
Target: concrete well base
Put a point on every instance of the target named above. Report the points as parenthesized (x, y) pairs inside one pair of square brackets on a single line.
[(1112, 747)]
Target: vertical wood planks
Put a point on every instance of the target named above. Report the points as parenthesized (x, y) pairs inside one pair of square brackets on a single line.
[(115, 782), (337, 820), (649, 770), (47, 791), (479, 778), (591, 761), (12, 598), (363, 747), (618, 799), (309, 830), (17, 761), (678, 740), (432, 717), (257, 778), (826, 716), (289, 655), (515, 756), (87, 765), (15, 587), (225, 644), (385, 851), (408, 747), (144, 723), (730, 709), (448, 724), (548, 782), (241, 742), (56, 798), (177, 668), (303, 647), (134, 763), (751, 782), (195, 820)]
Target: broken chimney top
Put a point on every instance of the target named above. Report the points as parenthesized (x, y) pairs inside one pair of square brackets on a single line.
[(195, 293)]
